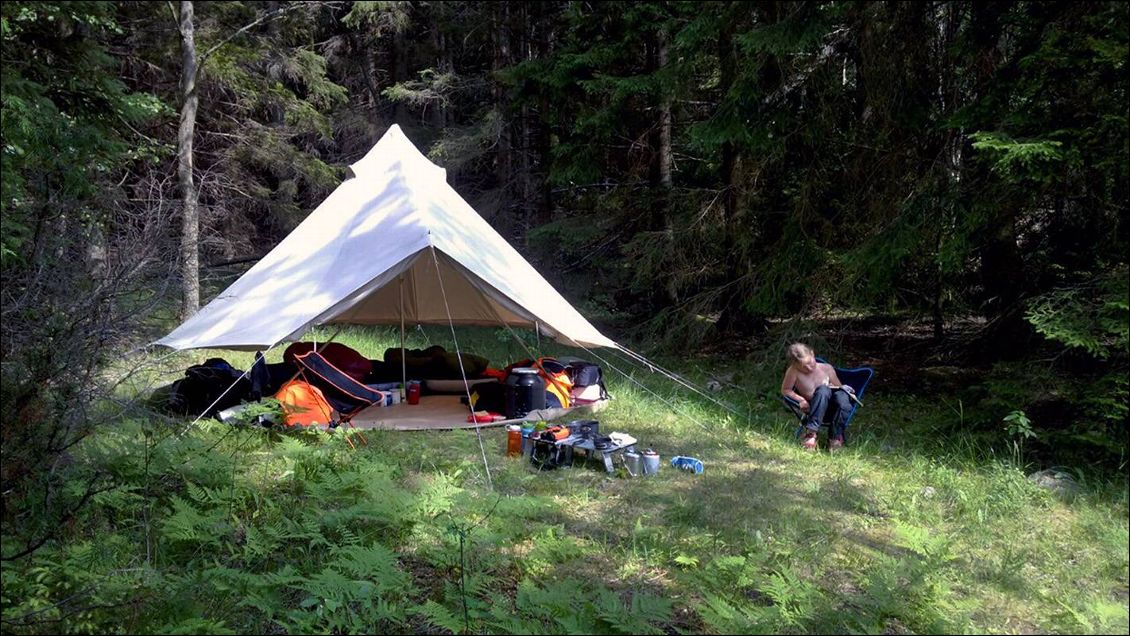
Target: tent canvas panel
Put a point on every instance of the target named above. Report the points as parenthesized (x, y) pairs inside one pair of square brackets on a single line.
[(416, 292), (344, 261)]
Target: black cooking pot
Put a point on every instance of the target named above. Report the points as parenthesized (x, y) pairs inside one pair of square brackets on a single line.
[(588, 429)]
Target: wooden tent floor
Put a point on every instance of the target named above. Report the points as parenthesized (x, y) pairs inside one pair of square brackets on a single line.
[(444, 412)]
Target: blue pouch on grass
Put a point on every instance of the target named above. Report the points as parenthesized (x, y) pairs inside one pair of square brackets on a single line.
[(687, 463)]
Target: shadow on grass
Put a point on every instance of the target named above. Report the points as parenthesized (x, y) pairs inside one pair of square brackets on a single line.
[(753, 501)]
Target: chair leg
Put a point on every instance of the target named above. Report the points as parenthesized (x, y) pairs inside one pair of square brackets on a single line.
[(360, 435), (348, 422)]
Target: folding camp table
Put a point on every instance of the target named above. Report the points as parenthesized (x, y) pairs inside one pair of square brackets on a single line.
[(620, 442)]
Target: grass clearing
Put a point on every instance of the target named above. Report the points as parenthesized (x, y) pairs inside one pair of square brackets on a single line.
[(909, 529)]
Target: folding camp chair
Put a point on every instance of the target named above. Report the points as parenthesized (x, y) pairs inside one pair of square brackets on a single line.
[(348, 396), (855, 378)]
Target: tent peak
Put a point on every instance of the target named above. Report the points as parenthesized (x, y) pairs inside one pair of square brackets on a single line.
[(395, 147)]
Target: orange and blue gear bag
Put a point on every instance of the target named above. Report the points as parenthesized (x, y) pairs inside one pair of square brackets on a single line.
[(554, 374), (557, 380)]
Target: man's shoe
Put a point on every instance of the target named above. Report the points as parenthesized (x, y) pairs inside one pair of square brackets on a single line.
[(836, 444), (809, 441)]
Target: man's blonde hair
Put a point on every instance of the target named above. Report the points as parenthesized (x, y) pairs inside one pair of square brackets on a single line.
[(799, 351)]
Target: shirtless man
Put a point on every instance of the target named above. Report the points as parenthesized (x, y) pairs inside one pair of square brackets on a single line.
[(815, 386)]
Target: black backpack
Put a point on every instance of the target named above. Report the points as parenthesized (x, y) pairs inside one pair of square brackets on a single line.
[(204, 384), (492, 397), (267, 379), (587, 374)]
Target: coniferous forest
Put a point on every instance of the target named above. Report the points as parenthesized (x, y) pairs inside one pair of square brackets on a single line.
[(937, 190)]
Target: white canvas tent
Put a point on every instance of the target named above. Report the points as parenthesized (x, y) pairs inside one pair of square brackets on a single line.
[(394, 244)]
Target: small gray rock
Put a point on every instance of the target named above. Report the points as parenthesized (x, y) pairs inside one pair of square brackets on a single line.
[(1055, 480), (928, 492)]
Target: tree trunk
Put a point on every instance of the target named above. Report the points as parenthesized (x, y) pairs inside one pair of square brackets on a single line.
[(664, 159), (545, 43), (939, 290), (1001, 268), (731, 310), (735, 316), (529, 187), (947, 20), (372, 85), (399, 71), (190, 217), (276, 111), (443, 65), (729, 154), (664, 120), (503, 158)]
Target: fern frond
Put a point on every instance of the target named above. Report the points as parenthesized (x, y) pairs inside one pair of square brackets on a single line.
[(725, 618), (375, 563), (440, 616)]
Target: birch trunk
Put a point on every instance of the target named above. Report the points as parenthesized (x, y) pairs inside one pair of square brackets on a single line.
[(190, 216)]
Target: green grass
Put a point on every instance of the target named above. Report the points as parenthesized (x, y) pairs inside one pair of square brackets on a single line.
[(915, 527)]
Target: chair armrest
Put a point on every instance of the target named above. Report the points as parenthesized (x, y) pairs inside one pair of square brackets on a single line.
[(793, 406)]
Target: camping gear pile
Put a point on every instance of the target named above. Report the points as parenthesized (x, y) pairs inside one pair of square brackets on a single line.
[(329, 383), (549, 446)]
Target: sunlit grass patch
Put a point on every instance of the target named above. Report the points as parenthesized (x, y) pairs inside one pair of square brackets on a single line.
[(902, 531)]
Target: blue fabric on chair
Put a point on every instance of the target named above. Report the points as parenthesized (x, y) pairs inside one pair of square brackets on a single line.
[(855, 378)]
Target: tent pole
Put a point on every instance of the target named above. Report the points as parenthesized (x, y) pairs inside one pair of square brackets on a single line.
[(403, 359), (331, 339), (537, 333), (462, 371)]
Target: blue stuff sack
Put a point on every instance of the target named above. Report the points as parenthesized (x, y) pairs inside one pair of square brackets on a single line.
[(689, 464)]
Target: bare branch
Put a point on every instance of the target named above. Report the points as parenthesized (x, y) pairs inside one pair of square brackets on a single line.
[(32, 546), (261, 19), (176, 18)]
